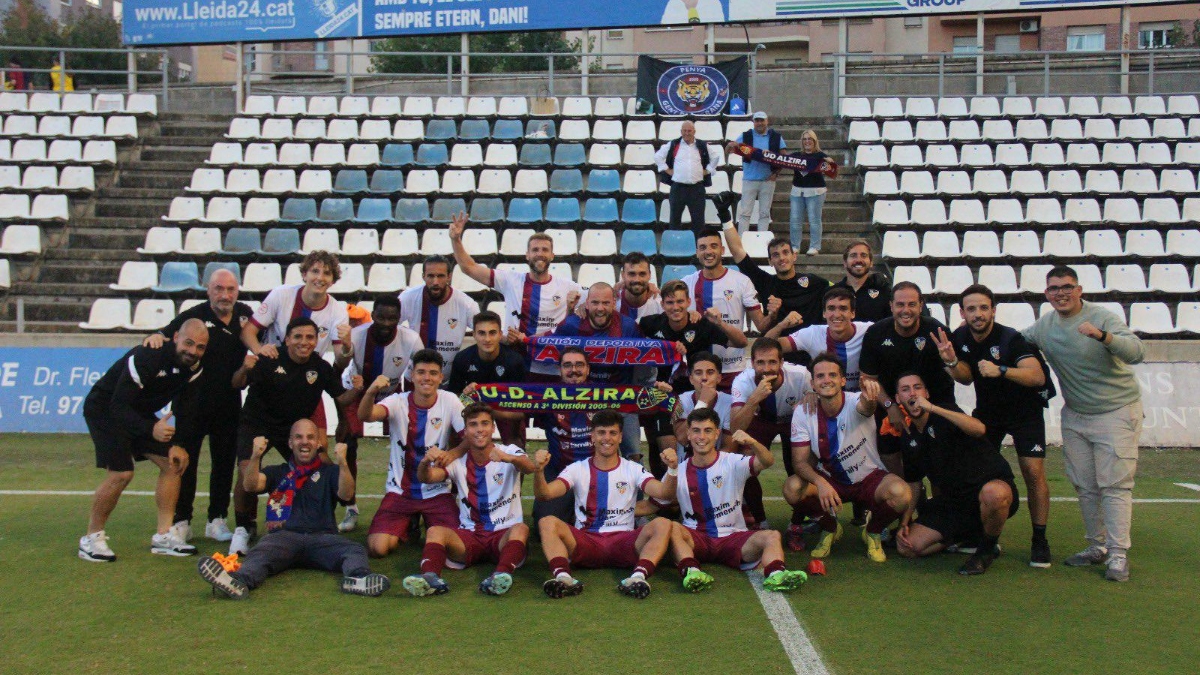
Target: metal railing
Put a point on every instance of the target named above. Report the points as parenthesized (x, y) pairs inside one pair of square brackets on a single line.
[(1042, 73), (132, 75), (269, 70)]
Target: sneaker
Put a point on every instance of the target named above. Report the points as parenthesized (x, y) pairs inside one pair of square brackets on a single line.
[(967, 548), (1092, 555), (874, 547), (182, 530), (697, 580), (497, 583), (239, 542), (634, 587), (371, 585), (218, 530), (813, 251), (94, 548), (826, 542), (978, 563), (170, 544), (349, 522), (1039, 554), (428, 583), (795, 537), (811, 526), (785, 580), (213, 571), (1118, 568), (562, 588)]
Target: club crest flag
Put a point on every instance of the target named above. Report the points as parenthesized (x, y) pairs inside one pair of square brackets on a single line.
[(587, 398), (684, 89), (603, 351)]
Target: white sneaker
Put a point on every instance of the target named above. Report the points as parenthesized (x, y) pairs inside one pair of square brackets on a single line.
[(94, 548), (349, 522), (218, 530), (239, 542), (171, 544), (813, 251), (182, 530)]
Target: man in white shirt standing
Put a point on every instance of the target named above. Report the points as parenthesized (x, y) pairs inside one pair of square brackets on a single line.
[(686, 165)]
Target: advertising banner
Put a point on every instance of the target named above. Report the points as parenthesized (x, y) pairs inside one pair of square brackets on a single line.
[(42, 388), (165, 22)]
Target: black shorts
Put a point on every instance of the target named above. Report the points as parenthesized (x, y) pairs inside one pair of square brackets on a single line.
[(245, 442), (117, 450), (657, 425), (957, 517), (1029, 436)]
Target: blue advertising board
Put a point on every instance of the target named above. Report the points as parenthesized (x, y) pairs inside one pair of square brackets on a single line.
[(42, 388), (163, 22)]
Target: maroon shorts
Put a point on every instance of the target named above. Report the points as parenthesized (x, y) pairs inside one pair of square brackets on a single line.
[(726, 550), (608, 549), (726, 385), (397, 511), (318, 416), (862, 492), (480, 546)]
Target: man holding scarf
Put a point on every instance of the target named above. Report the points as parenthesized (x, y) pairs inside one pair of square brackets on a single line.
[(300, 523)]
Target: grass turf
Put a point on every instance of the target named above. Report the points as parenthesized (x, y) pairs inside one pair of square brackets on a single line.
[(148, 612)]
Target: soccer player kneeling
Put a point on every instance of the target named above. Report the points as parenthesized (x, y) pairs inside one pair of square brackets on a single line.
[(840, 432), (488, 480), (709, 490), (606, 489)]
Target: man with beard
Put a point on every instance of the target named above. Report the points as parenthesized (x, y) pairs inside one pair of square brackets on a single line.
[(903, 342), (437, 312), (488, 481), (419, 421), (489, 361), (787, 292), (695, 332), (635, 299), (300, 521), (381, 347), (535, 302), (730, 292), (840, 433), (840, 334), (1011, 391), (872, 290), (120, 412), (219, 403), (283, 389), (763, 400), (605, 488), (974, 489)]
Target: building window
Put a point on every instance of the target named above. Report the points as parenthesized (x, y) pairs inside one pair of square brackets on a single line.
[(965, 45), (913, 22), (1085, 39), (616, 35), (1155, 35), (321, 58), (118, 12), (1008, 44)]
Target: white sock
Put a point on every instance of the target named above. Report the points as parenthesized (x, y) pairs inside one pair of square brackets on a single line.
[(638, 575)]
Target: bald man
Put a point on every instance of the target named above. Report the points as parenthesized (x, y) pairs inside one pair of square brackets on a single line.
[(601, 319), (687, 166), (121, 415), (220, 403)]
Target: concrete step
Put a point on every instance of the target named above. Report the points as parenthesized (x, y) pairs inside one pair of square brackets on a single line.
[(146, 208)]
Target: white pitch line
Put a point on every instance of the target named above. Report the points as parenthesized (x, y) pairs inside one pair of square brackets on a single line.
[(792, 636), (1190, 486)]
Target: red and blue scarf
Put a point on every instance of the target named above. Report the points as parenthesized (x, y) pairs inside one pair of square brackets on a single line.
[(803, 165), (603, 351), (279, 504)]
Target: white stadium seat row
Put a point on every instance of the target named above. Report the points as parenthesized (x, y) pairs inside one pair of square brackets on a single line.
[(78, 102)]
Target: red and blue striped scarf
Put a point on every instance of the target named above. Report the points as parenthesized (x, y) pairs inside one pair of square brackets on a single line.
[(279, 504)]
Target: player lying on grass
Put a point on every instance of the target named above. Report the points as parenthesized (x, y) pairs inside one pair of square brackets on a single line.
[(606, 490), (301, 530), (488, 481), (840, 433), (710, 492), (973, 483)]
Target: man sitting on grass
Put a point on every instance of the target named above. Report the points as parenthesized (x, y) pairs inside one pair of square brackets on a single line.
[(301, 530), (709, 490)]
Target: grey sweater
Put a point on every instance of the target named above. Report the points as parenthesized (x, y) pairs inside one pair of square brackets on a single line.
[(1095, 378)]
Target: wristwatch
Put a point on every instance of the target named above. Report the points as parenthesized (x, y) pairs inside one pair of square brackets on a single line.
[(1003, 370), (887, 404)]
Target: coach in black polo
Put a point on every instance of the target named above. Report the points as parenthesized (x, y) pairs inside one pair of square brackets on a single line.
[(282, 391), (872, 289)]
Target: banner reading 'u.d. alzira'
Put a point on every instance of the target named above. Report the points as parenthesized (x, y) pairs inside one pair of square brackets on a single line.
[(164, 22)]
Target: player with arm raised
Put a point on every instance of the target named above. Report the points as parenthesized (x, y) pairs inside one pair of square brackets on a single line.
[(605, 488)]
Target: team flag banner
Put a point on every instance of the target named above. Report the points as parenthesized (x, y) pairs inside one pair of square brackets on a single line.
[(803, 165), (588, 398), (602, 351), (672, 89)]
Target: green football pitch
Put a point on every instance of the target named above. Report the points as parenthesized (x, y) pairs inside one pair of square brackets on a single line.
[(153, 614)]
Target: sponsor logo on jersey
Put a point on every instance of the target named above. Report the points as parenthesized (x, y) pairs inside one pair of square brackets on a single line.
[(556, 299), (280, 370), (162, 373), (436, 422), (888, 343), (729, 294), (322, 332), (397, 360), (497, 479), (718, 481), (311, 376), (622, 486), (452, 322)]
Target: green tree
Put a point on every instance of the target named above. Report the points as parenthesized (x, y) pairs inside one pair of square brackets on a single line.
[(93, 30), (26, 24)]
